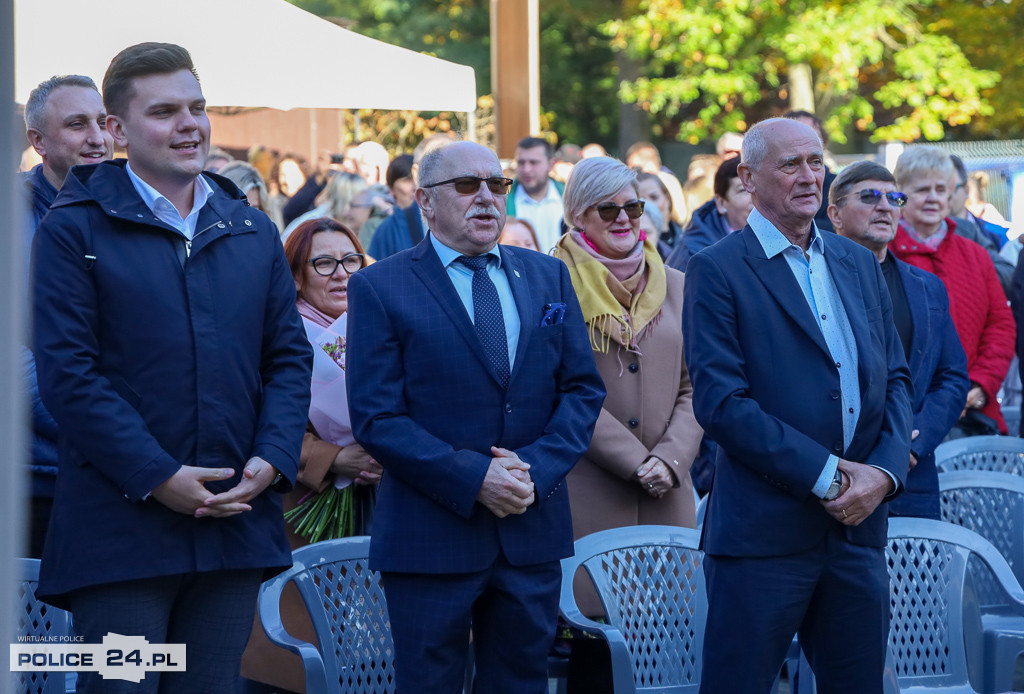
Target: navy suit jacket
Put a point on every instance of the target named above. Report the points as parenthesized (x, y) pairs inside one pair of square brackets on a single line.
[(938, 367), (766, 389), (427, 404)]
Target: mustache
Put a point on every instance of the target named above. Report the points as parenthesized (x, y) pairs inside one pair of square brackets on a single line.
[(475, 210)]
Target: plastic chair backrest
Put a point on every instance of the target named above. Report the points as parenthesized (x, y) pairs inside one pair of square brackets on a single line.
[(354, 653), (651, 583), (38, 619), (982, 453), (992, 505), (927, 563)]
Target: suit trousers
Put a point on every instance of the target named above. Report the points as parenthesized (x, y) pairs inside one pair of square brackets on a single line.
[(211, 612), (835, 596), (511, 610)]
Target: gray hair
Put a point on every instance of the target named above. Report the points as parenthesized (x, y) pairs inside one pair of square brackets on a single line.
[(245, 176), (367, 196), (920, 160), (427, 146), (961, 170), (338, 192), (40, 95), (430, 164), (854, 174), (591, 181), (755, 142)]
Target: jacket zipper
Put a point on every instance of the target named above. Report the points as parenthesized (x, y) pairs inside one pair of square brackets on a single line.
[(188, 241)]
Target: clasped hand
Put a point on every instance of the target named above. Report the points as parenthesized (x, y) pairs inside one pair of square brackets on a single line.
[(507, 488), (185, 491), (864, 488), (655, 476), (355, 463)]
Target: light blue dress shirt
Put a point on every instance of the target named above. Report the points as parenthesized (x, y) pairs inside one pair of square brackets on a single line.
[(165, 211), (812, 275), (462, 279)]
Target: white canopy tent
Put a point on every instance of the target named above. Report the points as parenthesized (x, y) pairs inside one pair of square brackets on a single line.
[(249, 53)]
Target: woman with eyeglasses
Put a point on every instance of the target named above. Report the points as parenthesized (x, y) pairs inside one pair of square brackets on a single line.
[(927, 238), (334, 491), (636, 471)]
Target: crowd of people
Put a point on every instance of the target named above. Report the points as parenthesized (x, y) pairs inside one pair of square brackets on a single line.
[(476, 366)]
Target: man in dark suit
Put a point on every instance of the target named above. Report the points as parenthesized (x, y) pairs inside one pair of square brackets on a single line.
[(864, 205), (799, 377), (472, 381)]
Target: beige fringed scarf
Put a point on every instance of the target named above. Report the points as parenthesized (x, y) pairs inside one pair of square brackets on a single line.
[(615, 310)]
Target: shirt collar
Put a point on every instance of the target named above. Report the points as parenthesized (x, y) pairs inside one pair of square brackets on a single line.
[(773, 241), (155, 200), (449, 255)]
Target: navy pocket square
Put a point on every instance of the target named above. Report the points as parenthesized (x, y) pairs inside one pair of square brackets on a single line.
[(554, 314)]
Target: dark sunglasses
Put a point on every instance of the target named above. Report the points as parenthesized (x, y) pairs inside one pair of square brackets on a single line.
[(326, 265), (870, 196), (469, 185), (609, 211)]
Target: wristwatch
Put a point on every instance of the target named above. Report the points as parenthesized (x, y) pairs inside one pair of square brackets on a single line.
[(835, 487)]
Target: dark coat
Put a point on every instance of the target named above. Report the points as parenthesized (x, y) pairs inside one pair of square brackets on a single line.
[(766, 389), (394, 234), (152, 356), (427, 404), (38, 195), (938, 367), (705, 228)]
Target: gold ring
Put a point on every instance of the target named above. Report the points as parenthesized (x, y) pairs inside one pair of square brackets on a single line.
[(844, 514)]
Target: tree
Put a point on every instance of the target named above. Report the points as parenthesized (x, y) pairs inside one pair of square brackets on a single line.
[(989, 33), (718, 65)]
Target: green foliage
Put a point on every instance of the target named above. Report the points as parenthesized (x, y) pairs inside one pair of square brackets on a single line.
[(895, 69), (989, 33), (718, 65), (578, 78)]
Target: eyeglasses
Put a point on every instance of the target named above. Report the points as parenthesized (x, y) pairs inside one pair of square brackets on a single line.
[(609, 211), (326, 265), (469, 185), (870, 196)]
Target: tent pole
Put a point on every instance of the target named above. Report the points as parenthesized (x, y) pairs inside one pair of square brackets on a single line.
[(12, 316)]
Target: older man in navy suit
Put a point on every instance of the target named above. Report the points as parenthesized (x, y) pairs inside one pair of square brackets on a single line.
[(864, 206), (472, 381), (798, 375)]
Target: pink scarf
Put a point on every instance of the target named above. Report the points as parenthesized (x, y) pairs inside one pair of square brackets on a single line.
[(629, 271), (313, 314)]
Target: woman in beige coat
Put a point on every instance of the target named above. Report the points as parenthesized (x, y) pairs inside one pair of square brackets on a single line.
[(636, 471)]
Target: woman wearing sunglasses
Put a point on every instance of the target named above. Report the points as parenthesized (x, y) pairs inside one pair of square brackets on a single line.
[(637, 469), (334, 491), (926, 238)]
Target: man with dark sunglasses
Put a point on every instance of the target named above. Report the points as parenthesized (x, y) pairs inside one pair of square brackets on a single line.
[(864, 206), (472, 382)]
